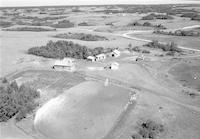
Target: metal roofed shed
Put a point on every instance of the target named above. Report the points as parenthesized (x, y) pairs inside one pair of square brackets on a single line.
[(115, 53)]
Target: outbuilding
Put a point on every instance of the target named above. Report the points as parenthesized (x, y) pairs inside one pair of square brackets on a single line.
[(91, 58), (100, 57), (115, 53), (64, 64), (113, 66)]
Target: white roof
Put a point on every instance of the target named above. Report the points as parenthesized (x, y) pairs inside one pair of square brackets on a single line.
[(64, 62), (90, 57), (116, 51)]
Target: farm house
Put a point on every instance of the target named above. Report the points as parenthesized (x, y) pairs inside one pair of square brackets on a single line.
[(64, 64)]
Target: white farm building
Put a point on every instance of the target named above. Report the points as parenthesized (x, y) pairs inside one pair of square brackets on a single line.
[(100, 57), (115, 53), (64, 64)]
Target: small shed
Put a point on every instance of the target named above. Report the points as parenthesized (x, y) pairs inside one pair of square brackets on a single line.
[(64, 64), (115, 53), (91, 58), (100, 57), (139, 58), (113, 66)]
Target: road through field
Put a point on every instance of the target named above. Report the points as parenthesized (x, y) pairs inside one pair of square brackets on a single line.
[(127, 35)]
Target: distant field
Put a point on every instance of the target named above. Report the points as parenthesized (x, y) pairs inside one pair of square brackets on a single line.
[(190, 42)]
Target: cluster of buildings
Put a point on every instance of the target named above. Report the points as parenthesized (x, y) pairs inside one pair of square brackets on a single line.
[(100, 57), (68, 64)]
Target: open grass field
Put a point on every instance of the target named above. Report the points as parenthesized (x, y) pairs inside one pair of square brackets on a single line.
[(188, 74)]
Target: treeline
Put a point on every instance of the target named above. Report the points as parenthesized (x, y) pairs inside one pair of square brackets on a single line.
[(153, 16), (192, 15), (61, 49), (165, 47), (168, 9), (5, 24), (34, 29), (179, 33), (46, 21), (16, 101), (81, 36), (83, 24), (147, 24)]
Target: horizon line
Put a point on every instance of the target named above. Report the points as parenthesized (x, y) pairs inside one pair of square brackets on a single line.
[(75, 5)]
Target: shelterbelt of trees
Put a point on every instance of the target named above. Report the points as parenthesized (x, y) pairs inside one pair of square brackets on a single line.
[(157, 16), (147, 24), (16, 101), (61, 49), (179, 33), (81, 36), (169, 47)]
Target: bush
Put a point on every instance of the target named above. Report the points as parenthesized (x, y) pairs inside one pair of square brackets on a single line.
[(5, 24), (4, 80), (146, 51), (136, 49), (147, 24), (63, 24), (16, 101), (179, 33), (149, 129), (83, 24), (157, 16)]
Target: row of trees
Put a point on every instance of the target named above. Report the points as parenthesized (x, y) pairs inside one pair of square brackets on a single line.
[(192, 15), (16, 101), (165, 47), (81, 36), (157, 16), (35, 29), (179, 33), (61, 49), (147, 24)]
